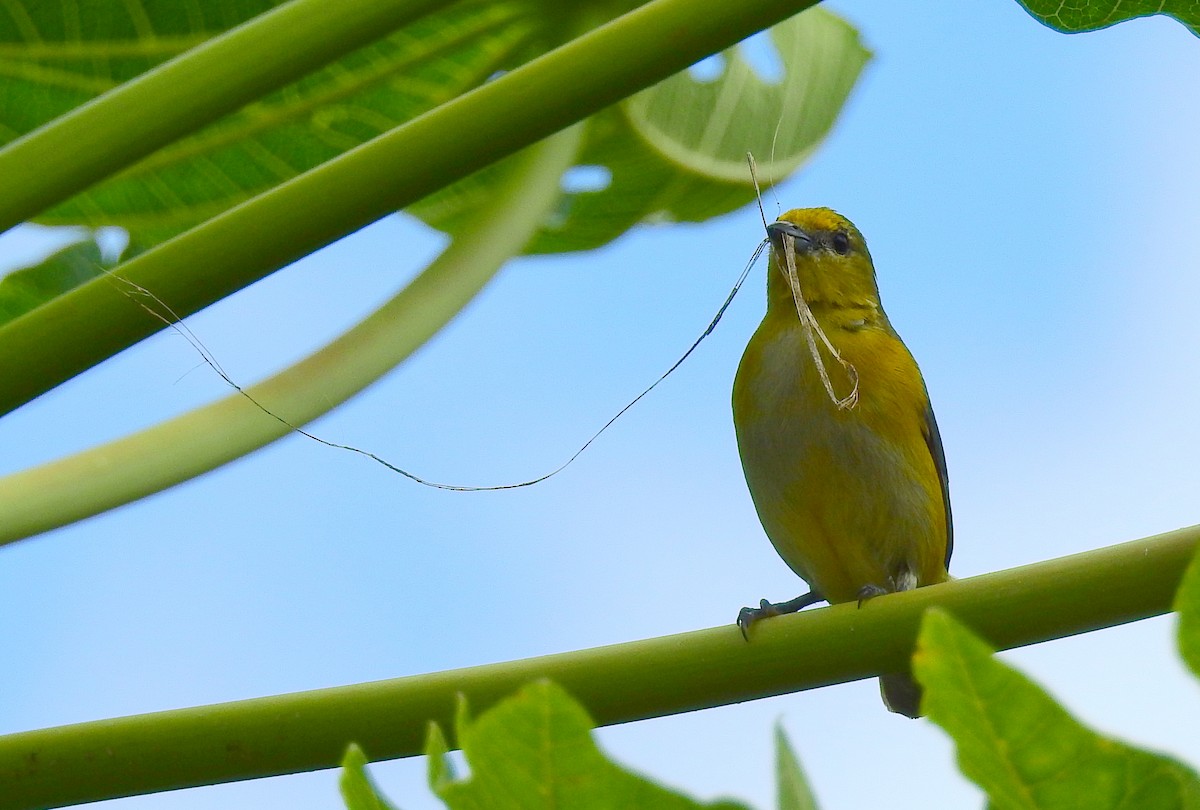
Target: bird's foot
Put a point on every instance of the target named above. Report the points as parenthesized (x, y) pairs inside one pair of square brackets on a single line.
[(868, 592), (747, 616)]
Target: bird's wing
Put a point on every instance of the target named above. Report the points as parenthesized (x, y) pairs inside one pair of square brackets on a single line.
[(933, 440)]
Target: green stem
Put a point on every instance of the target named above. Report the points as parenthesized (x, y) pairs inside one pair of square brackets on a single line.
[(73, 488), (65, 156), (94, 321), (310, 730)]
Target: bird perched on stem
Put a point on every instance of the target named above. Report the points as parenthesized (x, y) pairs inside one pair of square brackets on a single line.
[(836, 435)]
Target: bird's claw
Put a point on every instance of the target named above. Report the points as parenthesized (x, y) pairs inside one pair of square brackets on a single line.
[(748, 616), (868, 592)]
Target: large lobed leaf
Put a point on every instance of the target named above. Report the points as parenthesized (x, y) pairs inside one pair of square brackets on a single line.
[(59, 272), (1022, 747), (535, 750), (56, 56), (532, 750), (677, 151), (1074, 16), (670, 149)]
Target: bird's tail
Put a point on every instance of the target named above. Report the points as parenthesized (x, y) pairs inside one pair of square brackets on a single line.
[(901, 694)]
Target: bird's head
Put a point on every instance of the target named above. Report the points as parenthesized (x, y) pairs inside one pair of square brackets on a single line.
[(832, 262)]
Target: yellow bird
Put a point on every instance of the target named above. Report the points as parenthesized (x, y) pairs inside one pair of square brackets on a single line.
[(836, 434)]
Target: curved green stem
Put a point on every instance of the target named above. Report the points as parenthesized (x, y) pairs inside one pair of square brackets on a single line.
[(624, 682), (94, 321), (73, 488), (65, 156)]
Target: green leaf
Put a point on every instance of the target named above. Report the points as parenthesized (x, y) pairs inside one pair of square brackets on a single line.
[(1075, 16), (1187, 604), (391, 171), (358, 791), (440, 770), (792, 785), (674, 152), (535, 750), (56, 56), (29, 287), (677, 151), (1022, 747), (25, 289)]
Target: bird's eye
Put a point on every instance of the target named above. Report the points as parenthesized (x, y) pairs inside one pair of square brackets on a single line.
[(841, 242)]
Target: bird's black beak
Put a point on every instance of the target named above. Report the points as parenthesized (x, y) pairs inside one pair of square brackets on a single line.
[(781, 229)]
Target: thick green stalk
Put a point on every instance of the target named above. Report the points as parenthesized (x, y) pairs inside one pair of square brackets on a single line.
[(65, 156), (309, 730), (91, 323), (79, 486)]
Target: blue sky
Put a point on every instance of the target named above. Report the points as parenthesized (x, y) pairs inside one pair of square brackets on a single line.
[(1031, 202)]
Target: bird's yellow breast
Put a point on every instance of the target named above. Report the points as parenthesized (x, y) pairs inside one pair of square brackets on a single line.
[(849, 497)]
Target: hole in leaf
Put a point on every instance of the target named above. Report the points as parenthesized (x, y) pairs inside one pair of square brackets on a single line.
[(112, 242), (579, 179), (760, 53), (709, 69)]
